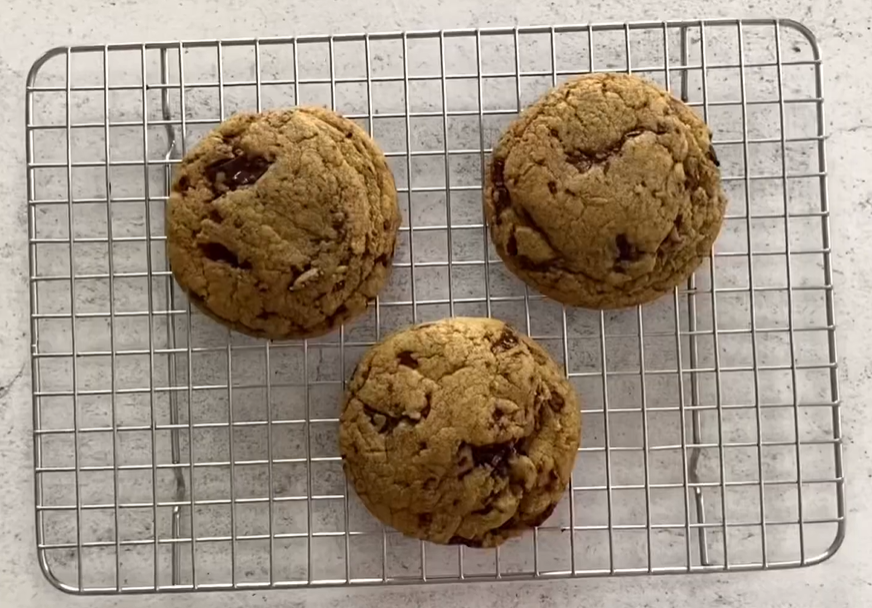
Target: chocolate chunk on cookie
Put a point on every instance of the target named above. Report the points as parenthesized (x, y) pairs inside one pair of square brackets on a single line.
[(283, 224), (237, 171), (605, 193), (461, 431)]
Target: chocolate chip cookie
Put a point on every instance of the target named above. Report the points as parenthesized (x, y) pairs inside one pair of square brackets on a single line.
[(460, 432), (283, 224), (605, 193)]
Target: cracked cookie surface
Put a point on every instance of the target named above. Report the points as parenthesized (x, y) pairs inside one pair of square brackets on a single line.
[(283, 224), (461, 431), (605, 193)]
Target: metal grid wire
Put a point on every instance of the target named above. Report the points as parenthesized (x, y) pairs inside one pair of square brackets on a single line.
[(171, 454)]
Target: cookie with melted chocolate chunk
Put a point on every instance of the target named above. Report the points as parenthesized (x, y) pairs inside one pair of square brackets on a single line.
[(605, 193), (461, 431), (283, 224)]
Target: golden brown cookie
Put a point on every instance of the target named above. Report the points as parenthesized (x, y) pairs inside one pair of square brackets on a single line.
[(460, 431), (283, 224), (605, 193)]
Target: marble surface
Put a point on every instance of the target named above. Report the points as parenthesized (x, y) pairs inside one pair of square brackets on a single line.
[(844, 34)]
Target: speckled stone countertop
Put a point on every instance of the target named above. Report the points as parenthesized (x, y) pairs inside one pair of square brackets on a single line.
[(30, 27)]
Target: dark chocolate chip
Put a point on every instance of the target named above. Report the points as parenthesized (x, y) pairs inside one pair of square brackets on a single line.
[(387, 425), (555, 133), (507, 340), (552, 187), (512, 245), (494, 456), (219, 253), (426, 411), (583, 161), (464, 460), (238, 171), (497, 168), (627, 252), (405, 358), (184, 183), (528, 264), (349, 135), (522, 446), (502, 200), (580, 161), (392, 421)]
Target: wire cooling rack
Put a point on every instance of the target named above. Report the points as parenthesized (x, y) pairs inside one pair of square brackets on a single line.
[(172, 455)]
